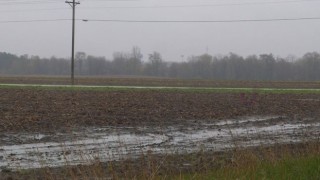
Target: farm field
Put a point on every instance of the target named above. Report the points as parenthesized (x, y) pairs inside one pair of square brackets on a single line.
[(47, 129)]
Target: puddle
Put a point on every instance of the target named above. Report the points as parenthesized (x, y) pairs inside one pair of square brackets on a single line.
[(247, 120), (113, 143), (52, 154)]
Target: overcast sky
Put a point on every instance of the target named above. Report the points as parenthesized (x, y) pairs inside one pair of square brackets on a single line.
[(172, 40)]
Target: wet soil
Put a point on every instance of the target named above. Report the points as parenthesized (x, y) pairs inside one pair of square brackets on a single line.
[(36, 123), (51, 111), (106, 144)]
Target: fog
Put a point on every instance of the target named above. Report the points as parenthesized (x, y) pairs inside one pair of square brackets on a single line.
[(175, 41)]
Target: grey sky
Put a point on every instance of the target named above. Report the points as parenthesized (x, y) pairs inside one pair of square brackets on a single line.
[(170, 39)]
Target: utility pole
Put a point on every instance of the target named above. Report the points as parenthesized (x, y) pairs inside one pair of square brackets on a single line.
[(73, 5)]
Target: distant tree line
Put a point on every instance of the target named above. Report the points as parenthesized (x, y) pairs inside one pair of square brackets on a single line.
[(224, 67)]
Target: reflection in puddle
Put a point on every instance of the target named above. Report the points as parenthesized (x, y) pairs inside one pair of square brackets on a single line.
[(111, 143)]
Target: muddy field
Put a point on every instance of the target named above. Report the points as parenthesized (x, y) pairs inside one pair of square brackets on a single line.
[(85, 145), (51, 127), (31, 110)]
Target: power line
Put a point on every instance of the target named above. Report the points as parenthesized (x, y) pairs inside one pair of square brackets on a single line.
[(202, 21), (34, 20), (33, 10), (152, 7), (27, 2), (200, 5), (167, 21), (20, 2)]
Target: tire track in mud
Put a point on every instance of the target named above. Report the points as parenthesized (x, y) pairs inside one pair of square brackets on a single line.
[(89, 144)]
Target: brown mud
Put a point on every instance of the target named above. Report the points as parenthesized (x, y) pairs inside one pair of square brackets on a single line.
[(45, 111)]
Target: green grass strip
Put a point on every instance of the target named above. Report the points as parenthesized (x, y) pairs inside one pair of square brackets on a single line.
[(299, 168), (163, 89)]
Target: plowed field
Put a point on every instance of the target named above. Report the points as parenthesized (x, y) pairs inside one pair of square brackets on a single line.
[(36, 110)]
